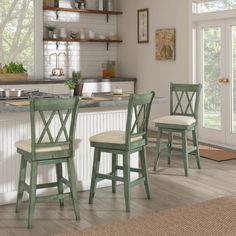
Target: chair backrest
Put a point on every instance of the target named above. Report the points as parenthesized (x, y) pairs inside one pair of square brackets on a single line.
[(184, 99), (138, 116), (53, 122)]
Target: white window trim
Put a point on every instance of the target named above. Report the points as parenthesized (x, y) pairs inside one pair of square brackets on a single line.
[(38, 41), (227, 14), (193, 19)]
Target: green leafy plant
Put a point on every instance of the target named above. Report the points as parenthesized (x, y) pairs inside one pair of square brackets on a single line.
[(70, 83), (76, 78), (14, 68)]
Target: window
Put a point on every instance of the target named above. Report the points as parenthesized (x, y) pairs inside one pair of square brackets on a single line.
[(205, 6), (17, 33)]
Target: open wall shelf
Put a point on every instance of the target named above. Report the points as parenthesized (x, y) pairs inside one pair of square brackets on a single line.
[(68, 40), (82, 40), (89, 11), (82, 11)]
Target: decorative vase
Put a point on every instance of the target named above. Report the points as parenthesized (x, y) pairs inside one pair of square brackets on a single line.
[(50, 34), (78, 91), (71, 92)]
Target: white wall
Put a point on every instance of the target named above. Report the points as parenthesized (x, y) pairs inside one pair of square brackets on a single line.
[(139, 59)]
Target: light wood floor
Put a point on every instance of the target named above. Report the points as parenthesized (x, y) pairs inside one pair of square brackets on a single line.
[(169, 188)]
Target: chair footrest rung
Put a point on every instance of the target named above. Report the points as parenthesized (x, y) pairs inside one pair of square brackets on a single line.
[(137, 181), (131, 169), (52, 197), (110, 177), (26, 188), (179, 149), (191, 149), (65, 181), (47, 185)]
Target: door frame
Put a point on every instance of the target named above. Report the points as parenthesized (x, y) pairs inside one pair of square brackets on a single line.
[(223, 137)]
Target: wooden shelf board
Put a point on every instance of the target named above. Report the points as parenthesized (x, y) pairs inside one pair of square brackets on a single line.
[(82, 11), (82, 40)]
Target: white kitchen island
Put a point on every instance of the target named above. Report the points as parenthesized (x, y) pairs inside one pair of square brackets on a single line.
[(16, 126), (92, 119)]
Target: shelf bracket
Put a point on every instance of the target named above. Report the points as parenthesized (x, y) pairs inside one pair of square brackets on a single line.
[(57, 15), (57, 45), (107, 17), (108, 46)]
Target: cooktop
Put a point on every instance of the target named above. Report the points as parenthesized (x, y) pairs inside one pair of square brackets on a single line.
[(26, 94)]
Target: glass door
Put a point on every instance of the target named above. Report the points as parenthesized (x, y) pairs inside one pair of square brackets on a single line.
[(216, 53)]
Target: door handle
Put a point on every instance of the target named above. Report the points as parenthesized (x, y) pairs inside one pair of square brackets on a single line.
[(223, 80)]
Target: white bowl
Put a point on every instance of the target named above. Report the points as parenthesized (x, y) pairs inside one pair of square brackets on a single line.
[(118, 91), (102, 36)]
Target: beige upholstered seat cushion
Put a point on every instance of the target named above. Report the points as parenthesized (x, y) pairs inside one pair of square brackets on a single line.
[(175, 120), (26, 146), (115, 136)]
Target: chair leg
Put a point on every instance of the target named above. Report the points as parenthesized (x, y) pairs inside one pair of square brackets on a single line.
[(32, 195), (145, 172), (21, 185), (114, 171), (73, 189), (158, 148), (185, 151), (96, 163), (195, 143), (59, 182), (126, 164), (170, 139)]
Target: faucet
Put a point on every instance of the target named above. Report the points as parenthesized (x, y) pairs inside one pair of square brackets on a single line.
[(58, 58), (57, 71), (50, 57)]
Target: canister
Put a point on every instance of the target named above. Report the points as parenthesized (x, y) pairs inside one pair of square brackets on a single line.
[(110, 5), (2, 93), (101, 5)]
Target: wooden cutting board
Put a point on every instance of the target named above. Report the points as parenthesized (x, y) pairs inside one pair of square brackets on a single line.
[(19, 103), (95, 99), (119, 94)]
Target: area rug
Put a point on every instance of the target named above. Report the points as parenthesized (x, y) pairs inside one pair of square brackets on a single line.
[(216, 154), (214, 217)]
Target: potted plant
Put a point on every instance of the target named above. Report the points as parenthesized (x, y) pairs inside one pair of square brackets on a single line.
[(75, 84), (13, 71)]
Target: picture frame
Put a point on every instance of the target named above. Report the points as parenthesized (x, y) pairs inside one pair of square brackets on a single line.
[(166, 44), (143, 25)]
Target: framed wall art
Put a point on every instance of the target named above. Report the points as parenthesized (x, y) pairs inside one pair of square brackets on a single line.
[(143, 26), (166, 44)]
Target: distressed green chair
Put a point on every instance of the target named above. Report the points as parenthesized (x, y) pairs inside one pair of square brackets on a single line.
[(49, 145), (134, 139), (184, 103)]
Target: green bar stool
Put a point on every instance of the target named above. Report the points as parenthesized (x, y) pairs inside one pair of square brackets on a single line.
[(134, 139), (184, 104), (49, 146)]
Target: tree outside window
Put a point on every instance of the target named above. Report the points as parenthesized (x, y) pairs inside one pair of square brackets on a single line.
[(17, 33)]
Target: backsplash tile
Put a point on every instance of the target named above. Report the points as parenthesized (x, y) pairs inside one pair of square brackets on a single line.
[(86, 57)]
